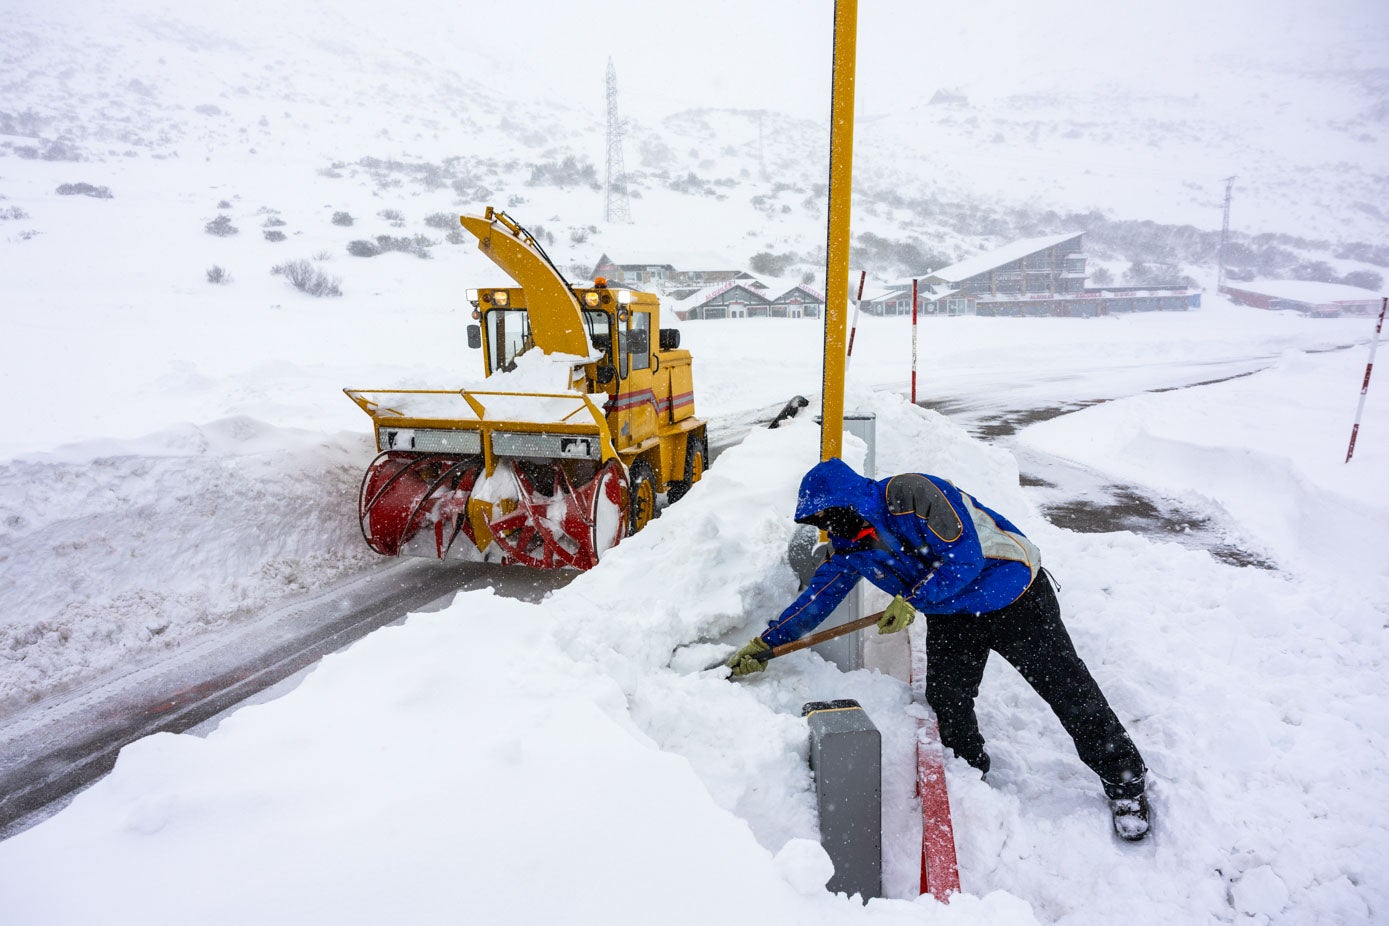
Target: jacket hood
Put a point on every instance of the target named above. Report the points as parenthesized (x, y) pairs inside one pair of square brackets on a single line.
[(832, 484)]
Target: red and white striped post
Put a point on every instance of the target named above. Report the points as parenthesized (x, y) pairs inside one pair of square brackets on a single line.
[(913, 342), (1365, 387), (858, 301)]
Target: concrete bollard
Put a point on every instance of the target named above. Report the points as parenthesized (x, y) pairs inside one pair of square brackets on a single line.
[(846, 757)]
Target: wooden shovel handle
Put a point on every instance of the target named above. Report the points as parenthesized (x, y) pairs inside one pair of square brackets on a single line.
[(820, 637)]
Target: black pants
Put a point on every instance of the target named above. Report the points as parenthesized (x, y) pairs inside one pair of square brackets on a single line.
[(1029, 634)]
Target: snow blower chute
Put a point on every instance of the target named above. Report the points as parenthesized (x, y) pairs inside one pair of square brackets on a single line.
[(547, 479)]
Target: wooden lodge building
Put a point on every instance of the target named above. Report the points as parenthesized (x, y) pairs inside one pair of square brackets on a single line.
[(750, 299), (1034, 276), (662, 274), (1031, 277)]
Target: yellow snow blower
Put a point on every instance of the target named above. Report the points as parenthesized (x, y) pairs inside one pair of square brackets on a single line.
[(549, 479)]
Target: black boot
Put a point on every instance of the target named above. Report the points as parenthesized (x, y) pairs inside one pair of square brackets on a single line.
[(979, 760), (1130, 817)]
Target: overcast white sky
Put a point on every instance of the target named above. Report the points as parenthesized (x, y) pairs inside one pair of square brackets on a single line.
[(775, 53)]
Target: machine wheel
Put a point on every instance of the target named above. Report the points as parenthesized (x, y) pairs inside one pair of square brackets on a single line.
[(641, 496), (696, 460)]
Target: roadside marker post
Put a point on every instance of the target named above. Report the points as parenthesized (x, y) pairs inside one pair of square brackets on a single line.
[(853, 329), (1365, 387), (913, 342)]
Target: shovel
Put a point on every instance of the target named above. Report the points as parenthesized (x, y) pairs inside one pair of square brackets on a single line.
[(808, 641)]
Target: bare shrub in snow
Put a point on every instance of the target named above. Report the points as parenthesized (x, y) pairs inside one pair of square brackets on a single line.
[(1365, 253), (569, 172), (61, 150), (273, 222), (394, 216), (470, 189), (343, 218), (691, 183), (221, 226), (323, 255), (1365, 279), (223, 204), (85, 189), (14, 212), (444, 220), (218, 275), (273, 235), (363, 248), (902, 257), (772, 264), (418, 245), (307, 278)]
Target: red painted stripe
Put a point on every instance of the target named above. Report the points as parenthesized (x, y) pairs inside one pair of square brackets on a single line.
[(665, 405), (646, 396), (940, 871), (633, 399)]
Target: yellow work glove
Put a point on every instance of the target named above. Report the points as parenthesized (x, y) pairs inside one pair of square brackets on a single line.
[(745, 661), (896, 616)]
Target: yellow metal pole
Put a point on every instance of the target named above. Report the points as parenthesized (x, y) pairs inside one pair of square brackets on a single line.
[(837, 238)]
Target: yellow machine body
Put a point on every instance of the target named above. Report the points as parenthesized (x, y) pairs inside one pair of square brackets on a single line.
[(628, 421)]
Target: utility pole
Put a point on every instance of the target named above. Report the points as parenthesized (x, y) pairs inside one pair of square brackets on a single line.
[(615, 205), (837, 232), (1224, 234), (761, 160)]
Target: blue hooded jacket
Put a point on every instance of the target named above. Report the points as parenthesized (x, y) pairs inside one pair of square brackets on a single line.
[(935, 545)]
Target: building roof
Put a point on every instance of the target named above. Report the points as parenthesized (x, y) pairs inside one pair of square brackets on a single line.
[(893, 292), (701, 296), (1308, 291), (987, 261), (801, 288), (689, 261)]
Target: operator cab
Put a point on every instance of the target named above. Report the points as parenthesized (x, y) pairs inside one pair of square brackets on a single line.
[(616, 328)]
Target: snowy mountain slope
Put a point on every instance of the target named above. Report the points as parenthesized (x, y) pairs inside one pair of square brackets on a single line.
[(1148, 132)]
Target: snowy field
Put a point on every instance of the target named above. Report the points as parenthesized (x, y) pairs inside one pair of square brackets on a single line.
[(180, 457), (567, 761)]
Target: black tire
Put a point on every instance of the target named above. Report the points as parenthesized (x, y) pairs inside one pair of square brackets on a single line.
[(696, 462), (641, 496)]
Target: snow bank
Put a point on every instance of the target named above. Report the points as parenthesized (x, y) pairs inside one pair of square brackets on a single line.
[(514, 763), (116, 550), (569, 760), (1269, 449)]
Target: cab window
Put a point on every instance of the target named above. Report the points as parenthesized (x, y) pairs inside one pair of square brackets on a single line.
[(599, 326), (508, 334), (639, 340)]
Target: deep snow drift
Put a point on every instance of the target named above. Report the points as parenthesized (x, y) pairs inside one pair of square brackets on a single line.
[(519, 762)]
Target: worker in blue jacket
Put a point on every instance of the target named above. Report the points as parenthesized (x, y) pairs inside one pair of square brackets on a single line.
[(937, 550)]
